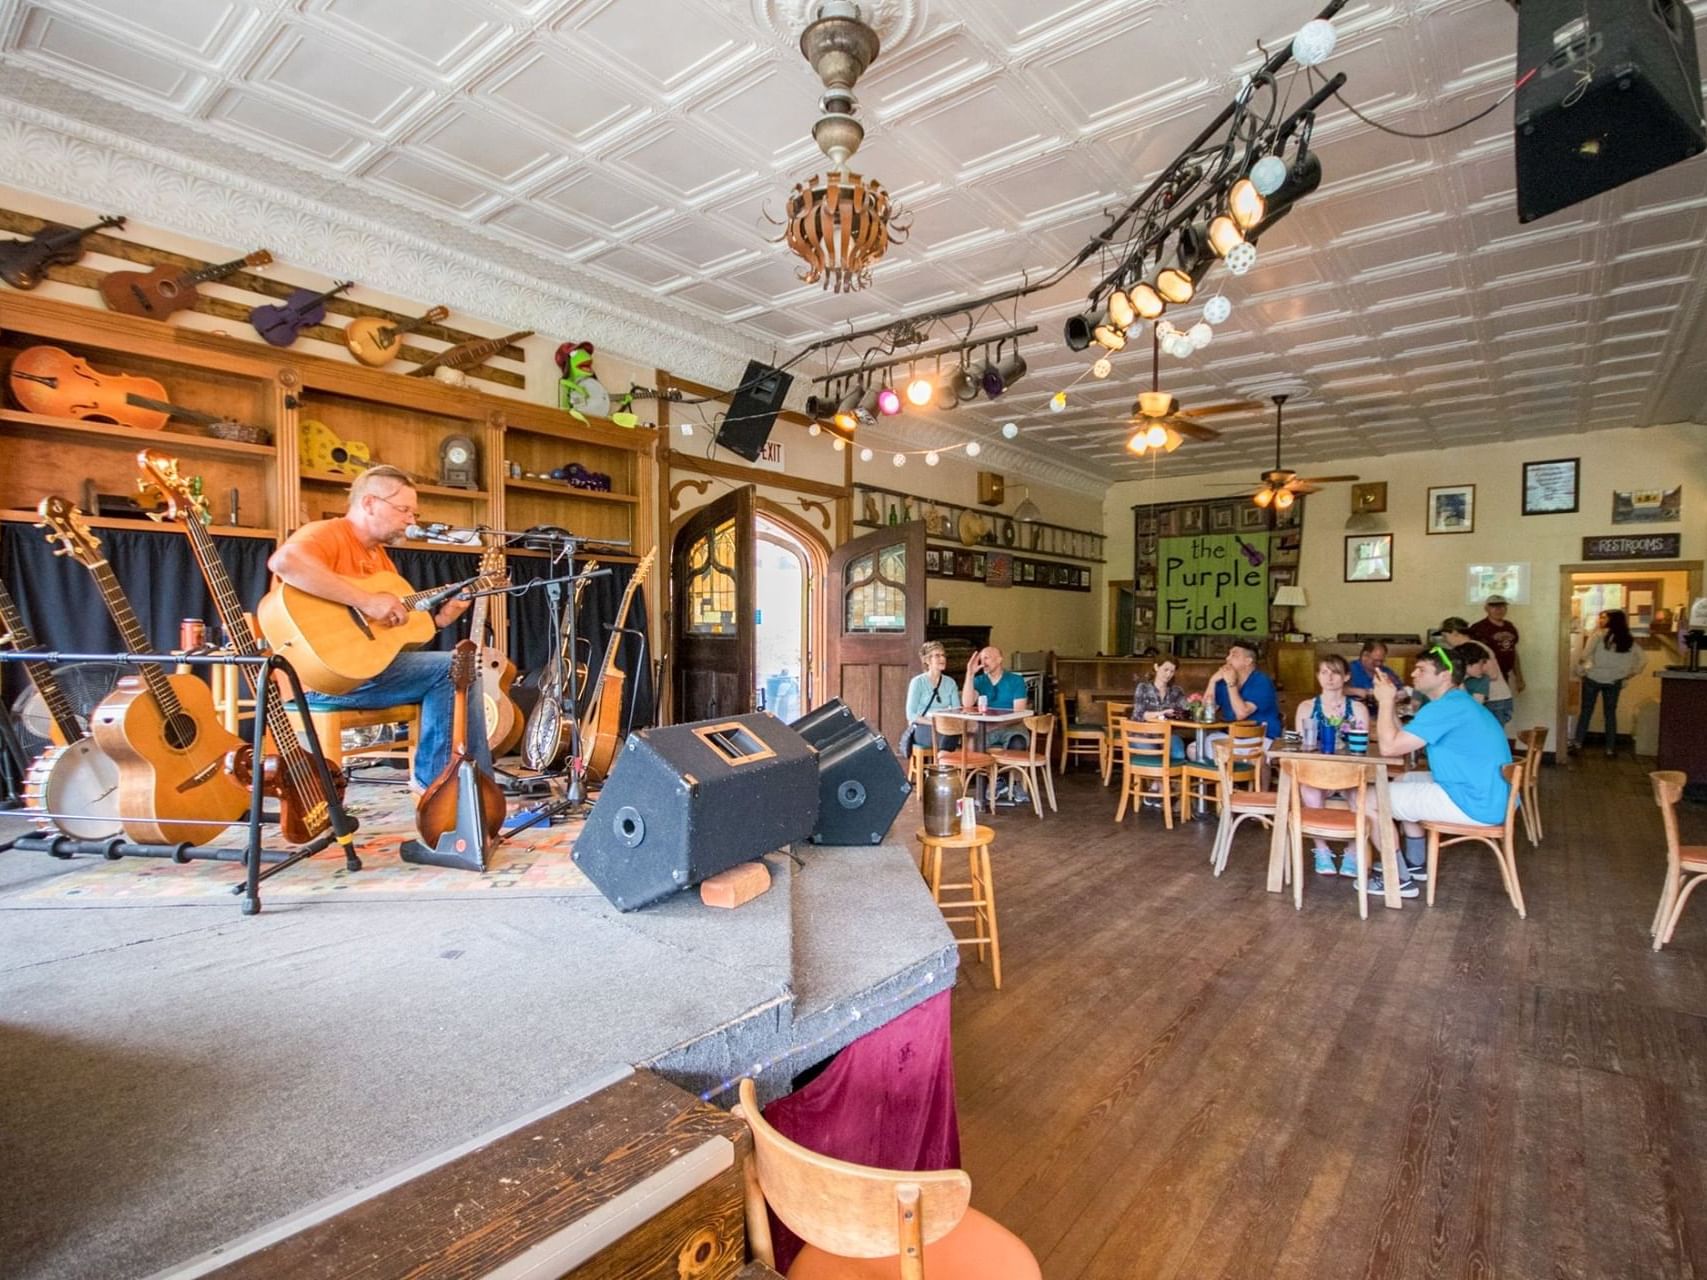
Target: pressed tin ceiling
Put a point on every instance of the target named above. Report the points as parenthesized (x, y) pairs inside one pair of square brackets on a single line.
[(626, 150)]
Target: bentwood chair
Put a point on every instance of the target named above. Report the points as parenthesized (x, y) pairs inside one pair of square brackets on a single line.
[(1079, 738), (1350, 824), (1112, 748), (1497, 838), (1237, 804), (1032, 763), (861, 1223), (966, 761), (1202, 779), (1681, 859), (1534, 743), (1143, 746)]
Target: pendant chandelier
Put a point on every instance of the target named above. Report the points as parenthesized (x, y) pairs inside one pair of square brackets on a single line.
[(842, 224)]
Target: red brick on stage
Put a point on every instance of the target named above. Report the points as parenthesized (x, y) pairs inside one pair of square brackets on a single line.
[(737, 885)]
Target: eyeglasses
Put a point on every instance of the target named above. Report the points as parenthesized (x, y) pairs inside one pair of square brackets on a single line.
[(411, 512)]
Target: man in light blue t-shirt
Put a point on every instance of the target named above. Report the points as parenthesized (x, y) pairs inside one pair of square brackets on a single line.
[(1467, 748)]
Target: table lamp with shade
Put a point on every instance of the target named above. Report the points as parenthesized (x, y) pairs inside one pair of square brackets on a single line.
[(1289, 597)]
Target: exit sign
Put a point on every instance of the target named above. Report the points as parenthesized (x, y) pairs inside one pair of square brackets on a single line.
[(770, 457)]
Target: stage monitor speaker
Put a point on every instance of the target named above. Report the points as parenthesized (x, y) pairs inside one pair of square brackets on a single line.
[(686, 801), (753, 409), (861, 785), (1615, 94)]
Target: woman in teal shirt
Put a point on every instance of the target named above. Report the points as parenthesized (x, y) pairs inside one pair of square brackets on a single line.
[(931, 690)]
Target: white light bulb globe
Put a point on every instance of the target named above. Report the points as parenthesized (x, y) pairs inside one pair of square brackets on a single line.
[(814, 429), (900, 459), (866, 455), (687, 428), (973, 448), (1102, 368), (1314, 42), (1242, 258), (1178, 346), (1200, 335), (1267, 174), (931, 458), (839, 444), (1165, 329), (1217, 309), (1010, 430), (1057, 402)]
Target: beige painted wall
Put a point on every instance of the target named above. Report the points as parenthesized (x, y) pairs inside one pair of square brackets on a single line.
[(1429, 572)]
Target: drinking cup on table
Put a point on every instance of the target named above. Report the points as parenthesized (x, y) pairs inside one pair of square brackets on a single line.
[(983, 704), (1309, 735), (1330, 737), (1357, 741)]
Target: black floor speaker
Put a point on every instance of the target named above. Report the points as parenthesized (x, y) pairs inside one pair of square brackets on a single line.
[(686, 801), (861, 786), (1615, 93)]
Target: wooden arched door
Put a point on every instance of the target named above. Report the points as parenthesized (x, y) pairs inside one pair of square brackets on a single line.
[(711, 572), (877, 622)]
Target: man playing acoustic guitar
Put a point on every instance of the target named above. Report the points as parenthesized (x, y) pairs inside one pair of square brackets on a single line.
[(323, 557)]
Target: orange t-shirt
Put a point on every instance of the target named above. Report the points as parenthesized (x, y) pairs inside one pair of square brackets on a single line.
[(334, 543)]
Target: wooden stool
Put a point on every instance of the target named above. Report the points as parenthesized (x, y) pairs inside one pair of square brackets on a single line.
[(917, 759), (981, 904), (329, 726)]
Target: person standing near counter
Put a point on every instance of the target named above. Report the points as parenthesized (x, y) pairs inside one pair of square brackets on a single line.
[(1499, 635), (1610, 658)]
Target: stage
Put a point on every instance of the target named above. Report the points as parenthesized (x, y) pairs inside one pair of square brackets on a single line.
[(177, 1076)]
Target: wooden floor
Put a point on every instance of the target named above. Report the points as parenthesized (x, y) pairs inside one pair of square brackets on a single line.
[(1183, 1077)]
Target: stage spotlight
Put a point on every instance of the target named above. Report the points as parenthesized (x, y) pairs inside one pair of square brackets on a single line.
[(1109, 337), (920, 391), (1175, 285), (1224, 235), (847, 410), (888, 402), (1120, 310), (964, 384), (1245, 204), (1078, 330), (1146, 301), (1011, 370)]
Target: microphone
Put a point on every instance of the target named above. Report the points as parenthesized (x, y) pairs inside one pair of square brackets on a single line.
[(422, 532)]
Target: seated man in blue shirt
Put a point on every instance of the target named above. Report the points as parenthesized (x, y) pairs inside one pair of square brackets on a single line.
[(1370, 659), (1004, 689), (1241, 692), (1467, 748)]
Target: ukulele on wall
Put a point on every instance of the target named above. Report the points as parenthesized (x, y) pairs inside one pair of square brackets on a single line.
[(160, 292), (282, 324), (23, 263), (376, 341)]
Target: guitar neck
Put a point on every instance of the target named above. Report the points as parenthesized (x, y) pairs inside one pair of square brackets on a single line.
[(134, 637), (174, 410), (214, 271), (40, 674)]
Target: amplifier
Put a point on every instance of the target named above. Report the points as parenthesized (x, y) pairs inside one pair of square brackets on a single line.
[(861, 786)]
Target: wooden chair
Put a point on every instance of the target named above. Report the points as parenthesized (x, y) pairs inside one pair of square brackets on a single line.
[(1143, 747), (863, 1222), (917, 759), (1236, 805), (1078, 738), (1202, 779), (1032, 763), (1681, 859), (1328, 824), (329, 726), (1535, 743), (1498, 838), (965, 761), (1112, 752)]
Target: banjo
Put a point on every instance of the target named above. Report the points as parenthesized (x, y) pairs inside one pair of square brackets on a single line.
[(73, 785)]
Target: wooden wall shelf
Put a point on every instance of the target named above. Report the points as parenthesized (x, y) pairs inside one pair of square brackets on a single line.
[(184, 441), (568, 490), (20, 516), (432, 490)]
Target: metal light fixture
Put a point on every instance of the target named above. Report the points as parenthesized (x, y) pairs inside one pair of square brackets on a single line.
[(920, 391), (1175, 285), (1224, 235), (841, 225), (888, 402), (1146, 301), (1107, 336), (1245, 204), (1156, 404), (1011, 370), (1121, 313), (847, 410), (1027, 511)]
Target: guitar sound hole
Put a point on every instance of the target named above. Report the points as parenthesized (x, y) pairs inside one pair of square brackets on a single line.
[(180, 732)]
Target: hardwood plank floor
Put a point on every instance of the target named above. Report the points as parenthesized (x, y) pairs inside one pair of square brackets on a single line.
[(1184, 1077)]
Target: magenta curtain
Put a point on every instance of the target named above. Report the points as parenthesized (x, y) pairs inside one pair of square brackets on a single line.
[(886, 1101)]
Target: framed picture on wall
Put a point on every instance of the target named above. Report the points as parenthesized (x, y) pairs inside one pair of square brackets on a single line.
[(1369, 557), (1147, 548), (1221, 518), (1191, 520), (1167, 522), (1550, 488), (933, 561), (1252, 516), (1452, 508)]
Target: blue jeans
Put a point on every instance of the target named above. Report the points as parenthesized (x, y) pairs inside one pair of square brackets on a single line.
[(1502, 709), (418, 676), (1608, 695)]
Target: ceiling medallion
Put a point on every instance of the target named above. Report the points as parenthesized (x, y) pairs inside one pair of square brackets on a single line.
[(840, 225)]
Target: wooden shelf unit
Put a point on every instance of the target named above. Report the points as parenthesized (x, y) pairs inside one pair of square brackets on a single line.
[(1030, 537)]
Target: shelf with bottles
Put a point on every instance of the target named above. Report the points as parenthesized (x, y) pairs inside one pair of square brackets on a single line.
[(969, 526)]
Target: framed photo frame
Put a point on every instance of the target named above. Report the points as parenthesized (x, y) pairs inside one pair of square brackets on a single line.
[(1552, 487), (1369, 557), (1252, 516), (1167, 522), (933, 560), (1452, 508), (978, 563), (1647, 506), (1221, 518), (1191, 520), (1028, 571)]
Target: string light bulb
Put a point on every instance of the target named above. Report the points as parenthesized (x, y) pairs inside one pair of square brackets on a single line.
[(1011, 429), (1217, 309), (1057, 403), (932, 458), (687, 428), (814, 429), (1242, 258), (839, 444), (1314, 42), (1102, 368), (1245, 204), (1268, 174), (899, 459), (1200, 335), (973, 448), (866, 455)]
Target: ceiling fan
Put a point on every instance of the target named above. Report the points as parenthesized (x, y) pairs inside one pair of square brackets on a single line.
[(1282, 486), (1161, 423)]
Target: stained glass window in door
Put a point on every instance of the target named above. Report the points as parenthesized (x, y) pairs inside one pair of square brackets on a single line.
[(874, 591), (711, 583)]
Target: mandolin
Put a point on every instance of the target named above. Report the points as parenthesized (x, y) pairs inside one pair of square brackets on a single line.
[(375, 340), (468, 354), (282, 324), (24, 262), (160, 292), (496, 672), (305, 807), (161, 731), (601, 725), (335, 647), (544, 741), (74, 781), (464, 800)]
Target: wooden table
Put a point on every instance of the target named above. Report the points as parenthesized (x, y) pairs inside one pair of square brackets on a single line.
[(1381, 829), (982, 722)]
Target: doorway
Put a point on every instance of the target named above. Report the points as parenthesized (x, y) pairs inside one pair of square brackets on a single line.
[(788, 625)]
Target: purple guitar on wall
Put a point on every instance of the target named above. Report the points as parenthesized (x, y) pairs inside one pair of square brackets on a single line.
[(282, 324)]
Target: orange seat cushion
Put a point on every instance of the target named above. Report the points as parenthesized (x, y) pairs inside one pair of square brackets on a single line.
[(1693, 857), (1329, 820), (965, 759), (1007, 756), (1253, 799), (980, 1248), (1493, 832)]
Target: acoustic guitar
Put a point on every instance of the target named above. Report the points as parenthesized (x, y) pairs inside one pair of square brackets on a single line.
[(73, 785), (282, 324), (335, 647), (464, 800), (23, 263), (544, 740), (305, 805), (601, 725), (161, 730), (160, 292), (496, 672), (375, 341)]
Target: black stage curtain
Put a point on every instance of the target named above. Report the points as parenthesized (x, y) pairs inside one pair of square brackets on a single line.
[(64, 610)]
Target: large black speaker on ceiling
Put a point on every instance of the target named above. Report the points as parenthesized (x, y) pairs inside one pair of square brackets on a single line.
[(1613, 93), (753, 409)]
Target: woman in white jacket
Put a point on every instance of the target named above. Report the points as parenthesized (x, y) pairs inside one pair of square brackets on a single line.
[(1610, 658)]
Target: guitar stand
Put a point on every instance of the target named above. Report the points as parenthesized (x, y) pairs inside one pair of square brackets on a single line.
[(253, 857), (463, 847)]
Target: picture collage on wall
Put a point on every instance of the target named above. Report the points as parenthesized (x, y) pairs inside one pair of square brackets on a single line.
[(999, 569)]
